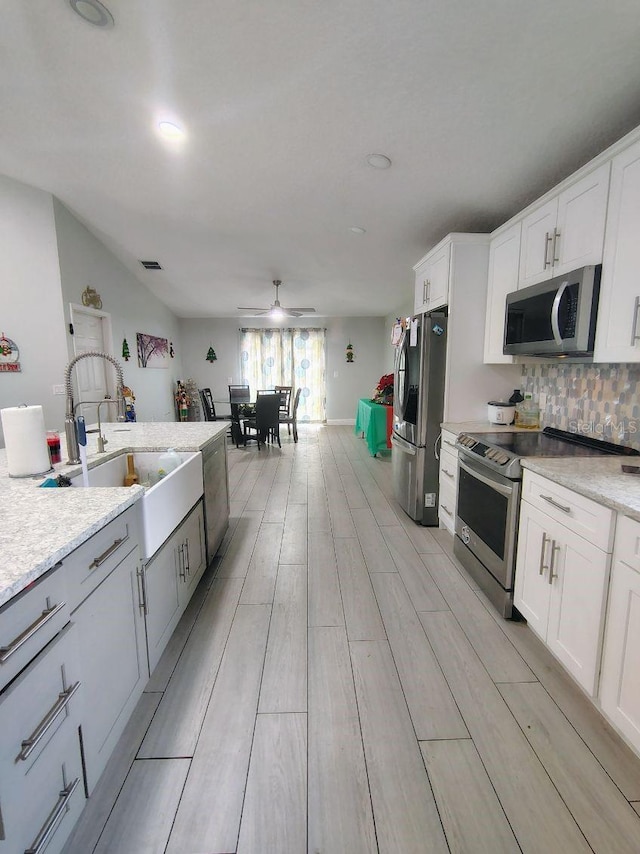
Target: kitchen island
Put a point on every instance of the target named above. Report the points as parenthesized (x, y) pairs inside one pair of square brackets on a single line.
[(39, 527), (86, 611)]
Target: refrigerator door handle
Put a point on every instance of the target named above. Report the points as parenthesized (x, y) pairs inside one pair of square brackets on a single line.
[(402, 445)]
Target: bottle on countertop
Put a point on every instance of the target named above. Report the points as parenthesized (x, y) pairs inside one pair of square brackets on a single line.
[(516, 397), (168, 462), (528, 413), (131, 476)]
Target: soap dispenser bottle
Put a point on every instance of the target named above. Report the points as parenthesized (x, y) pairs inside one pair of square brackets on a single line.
[(516, 397)]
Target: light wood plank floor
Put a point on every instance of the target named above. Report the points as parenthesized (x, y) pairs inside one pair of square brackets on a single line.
[(338, 685)]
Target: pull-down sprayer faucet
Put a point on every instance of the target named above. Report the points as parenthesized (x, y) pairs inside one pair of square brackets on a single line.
[(73, 450)]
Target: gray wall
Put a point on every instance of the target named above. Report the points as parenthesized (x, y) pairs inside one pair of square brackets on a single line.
[(346, 383), (84, 260), (32, 314)]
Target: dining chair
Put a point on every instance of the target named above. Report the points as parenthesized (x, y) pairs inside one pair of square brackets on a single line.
[(285, 392), (266, 423), (208, 406), (292, 420), (239, 394)]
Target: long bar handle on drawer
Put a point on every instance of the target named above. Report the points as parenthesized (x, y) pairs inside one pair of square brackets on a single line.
[(14, 646), (112, 548), (447, 472), (543, 548), (562, 507), (53, 819), (29, 744)]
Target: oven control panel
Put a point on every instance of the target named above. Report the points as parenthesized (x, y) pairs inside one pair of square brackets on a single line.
[(496, 455)]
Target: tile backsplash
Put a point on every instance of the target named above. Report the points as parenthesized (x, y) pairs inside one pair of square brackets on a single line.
[(600, 400)]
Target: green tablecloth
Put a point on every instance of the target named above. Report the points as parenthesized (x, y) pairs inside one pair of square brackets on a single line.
[(375, 421)]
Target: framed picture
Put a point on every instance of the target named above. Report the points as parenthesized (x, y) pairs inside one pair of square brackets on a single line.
[(153, 352)]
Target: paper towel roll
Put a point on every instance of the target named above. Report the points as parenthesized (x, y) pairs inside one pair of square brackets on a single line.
[(25, 440)]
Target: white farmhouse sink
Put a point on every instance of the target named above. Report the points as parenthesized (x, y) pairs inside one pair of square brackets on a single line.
[(166, 503)]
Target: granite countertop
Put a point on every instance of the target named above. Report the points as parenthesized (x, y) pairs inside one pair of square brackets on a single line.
[(599, 478), (39, 527)]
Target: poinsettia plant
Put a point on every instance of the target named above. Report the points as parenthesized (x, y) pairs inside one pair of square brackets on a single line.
[(383, 392)]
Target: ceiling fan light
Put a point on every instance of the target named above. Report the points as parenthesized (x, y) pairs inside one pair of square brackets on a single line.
[(276, 313)]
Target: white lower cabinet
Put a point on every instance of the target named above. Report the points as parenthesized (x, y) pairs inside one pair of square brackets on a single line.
[(170, 578), (620, 680), (40, 761), (561, 583), (111, 634), (448, 482)]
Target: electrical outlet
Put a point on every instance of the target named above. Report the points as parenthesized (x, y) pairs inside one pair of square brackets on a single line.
[(58, 389), (542, 401)]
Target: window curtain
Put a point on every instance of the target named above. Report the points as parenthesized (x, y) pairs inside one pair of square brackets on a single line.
[(294, 357)]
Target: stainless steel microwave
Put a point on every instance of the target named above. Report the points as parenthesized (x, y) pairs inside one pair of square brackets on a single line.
[(554, 318)]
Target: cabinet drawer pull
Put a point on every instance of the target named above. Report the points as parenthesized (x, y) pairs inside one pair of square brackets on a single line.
[(447, 472), (556, 245), (29, 744), (49, 612), (446, 510), (53, 819), (112, 548), (545, 540), (447, 442), (141, 581), (554, 548), (181, 565), (547, 243), (562, 507), (634, 323)]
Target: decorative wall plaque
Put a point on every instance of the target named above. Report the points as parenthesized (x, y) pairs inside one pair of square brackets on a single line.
[(9, 355)]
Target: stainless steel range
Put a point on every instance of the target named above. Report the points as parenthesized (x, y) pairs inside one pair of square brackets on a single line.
[(489, 485)]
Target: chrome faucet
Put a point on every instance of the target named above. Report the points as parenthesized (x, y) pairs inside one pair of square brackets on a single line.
[(101, 439), (73, 450)]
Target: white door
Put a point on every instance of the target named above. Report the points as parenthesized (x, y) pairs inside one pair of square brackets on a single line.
[(536, 257), (93, 378), (582, 210)]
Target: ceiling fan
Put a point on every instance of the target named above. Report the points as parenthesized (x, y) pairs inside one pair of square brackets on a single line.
[(276, 310)]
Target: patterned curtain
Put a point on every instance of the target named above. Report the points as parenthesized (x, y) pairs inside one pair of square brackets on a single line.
[(295, 357)]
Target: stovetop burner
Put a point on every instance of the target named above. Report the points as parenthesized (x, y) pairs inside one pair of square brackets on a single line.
[(502, 451)]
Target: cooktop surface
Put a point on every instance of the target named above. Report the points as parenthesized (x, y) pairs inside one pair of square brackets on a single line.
[(549, 443)]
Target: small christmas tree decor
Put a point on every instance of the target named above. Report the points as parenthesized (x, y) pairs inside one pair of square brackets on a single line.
[(125, 350), (350, 353), (211, 355)]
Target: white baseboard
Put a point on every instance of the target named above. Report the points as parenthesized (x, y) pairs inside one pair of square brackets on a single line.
[(341, 422)]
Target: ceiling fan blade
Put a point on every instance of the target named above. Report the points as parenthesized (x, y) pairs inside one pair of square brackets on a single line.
[(302, 310), (251, 308)]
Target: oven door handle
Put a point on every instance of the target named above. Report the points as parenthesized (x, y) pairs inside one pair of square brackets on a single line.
[(403, 445), (499, 487)]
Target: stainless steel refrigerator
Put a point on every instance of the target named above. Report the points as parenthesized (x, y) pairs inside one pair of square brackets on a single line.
[(418, 402)]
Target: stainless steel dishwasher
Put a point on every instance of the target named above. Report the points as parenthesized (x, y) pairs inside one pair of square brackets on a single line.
[(216, 493)]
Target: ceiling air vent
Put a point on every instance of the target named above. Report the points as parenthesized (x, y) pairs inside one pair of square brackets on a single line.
[(151, 265)]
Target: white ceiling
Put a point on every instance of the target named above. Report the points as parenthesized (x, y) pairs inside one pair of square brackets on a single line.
[(481, 106)]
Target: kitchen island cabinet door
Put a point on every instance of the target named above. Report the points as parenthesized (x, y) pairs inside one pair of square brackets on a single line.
[(113, 662), (618, 326), (193, 553), (163, 578)]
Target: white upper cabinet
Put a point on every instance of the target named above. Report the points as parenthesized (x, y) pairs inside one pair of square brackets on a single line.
[(504, 256), (617, 333), (567, 231), (432, 279)]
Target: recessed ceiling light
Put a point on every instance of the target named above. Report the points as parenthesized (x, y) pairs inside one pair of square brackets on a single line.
[(357, 229), (93, 12), (170, 130), (378, 161)]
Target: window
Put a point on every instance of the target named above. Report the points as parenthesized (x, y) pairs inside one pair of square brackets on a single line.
[(293, 357)]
